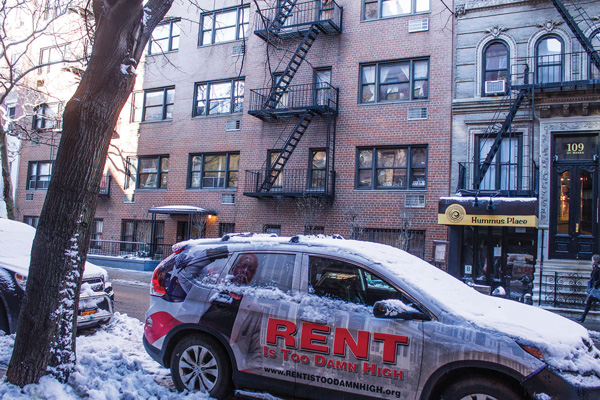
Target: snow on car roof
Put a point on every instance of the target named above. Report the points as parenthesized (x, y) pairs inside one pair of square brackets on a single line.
[(16, 239)]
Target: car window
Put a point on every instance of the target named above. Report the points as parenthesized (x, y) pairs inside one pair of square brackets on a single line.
[(264, 270), (348, 282)]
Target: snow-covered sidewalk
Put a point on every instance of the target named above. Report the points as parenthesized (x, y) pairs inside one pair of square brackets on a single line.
[(111, 364)]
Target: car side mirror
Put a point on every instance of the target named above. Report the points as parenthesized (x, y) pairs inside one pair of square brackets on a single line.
[(396, 309)]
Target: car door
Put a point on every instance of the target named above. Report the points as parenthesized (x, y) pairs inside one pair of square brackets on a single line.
[(259, 288), (342, 346)]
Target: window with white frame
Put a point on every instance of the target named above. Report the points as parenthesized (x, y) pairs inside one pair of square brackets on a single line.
[(165, 37), (212, 171), (50, 56), (96, 240), (376, 9), (219, 97), (593, 70), (394, 81), (224, 25)]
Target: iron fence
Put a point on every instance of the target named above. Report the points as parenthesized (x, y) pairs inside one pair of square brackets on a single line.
[(564, 290), (119, 248), (410, 240)]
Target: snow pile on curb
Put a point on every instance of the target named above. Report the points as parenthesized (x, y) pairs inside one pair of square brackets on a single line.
[(111, 364)]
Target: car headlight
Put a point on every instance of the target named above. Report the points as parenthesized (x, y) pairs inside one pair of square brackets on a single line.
[(21, 280), (534, 351)]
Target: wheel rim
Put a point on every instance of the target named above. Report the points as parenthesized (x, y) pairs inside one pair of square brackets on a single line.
[(478, 397), (198, 369)]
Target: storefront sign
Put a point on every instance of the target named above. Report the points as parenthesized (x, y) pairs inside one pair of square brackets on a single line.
[(488, 212)]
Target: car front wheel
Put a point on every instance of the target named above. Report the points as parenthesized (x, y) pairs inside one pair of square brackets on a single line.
[(481, 388), (200, 364)]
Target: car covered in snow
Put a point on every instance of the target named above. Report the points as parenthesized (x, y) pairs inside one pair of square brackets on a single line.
[(328, 318), (95, 301)]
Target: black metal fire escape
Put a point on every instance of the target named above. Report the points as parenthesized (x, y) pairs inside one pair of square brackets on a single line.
[(526, 90), (293, 19)]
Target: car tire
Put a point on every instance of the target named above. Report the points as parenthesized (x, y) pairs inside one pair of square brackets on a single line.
[(199, 363), (481, 388)]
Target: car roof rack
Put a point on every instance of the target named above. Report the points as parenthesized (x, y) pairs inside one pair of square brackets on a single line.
[(225, 238)]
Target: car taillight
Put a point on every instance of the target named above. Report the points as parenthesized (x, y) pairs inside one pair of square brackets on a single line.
[(158, 277), (21, 280)]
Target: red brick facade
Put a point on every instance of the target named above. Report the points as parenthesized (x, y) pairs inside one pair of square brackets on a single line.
[(357, 125)]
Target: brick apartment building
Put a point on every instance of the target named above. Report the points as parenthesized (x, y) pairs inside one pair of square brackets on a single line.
[(295, 117)]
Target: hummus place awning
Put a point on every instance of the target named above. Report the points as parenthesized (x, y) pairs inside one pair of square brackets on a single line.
[(488, 211)]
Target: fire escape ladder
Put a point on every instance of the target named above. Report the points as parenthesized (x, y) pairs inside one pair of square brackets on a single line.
[(584, 17), (504, 129), (286, 78), (277, 167), (285, 11)]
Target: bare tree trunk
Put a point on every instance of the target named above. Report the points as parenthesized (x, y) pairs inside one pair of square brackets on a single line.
[(7, 189), (45, 341)]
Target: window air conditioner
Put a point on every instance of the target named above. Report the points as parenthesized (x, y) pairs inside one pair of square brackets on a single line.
[(492, 87)]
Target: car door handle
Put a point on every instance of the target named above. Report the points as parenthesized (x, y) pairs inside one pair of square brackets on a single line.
[(223, 298), (314, 320)]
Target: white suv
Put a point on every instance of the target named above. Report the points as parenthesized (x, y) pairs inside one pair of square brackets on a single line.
[(325, 318)]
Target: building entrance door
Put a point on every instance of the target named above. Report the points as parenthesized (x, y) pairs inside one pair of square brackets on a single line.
[(574, 199)]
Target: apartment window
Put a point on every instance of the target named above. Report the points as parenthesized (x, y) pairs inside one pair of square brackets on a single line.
[(322, 83), (391, 168), (276, 229), (46, 116), (165, 37), (96, 241), (549, 59), (211, 171), (50, 56), (153, 172), (495, 68), (225, 228), (505, 170), (131, 164), (317, 169), (39, 173), (394, 81), (219, 97), (33, 221), (153, 105), (136, 236), (224, 25), (375, 9)]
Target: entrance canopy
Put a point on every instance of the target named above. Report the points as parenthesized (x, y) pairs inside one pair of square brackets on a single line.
[(181, 210), (488, 211)]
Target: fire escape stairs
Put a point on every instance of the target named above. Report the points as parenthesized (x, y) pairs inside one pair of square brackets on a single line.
[(277, 167), (585, 42), (285, 11), (500, 133), (290, 71)]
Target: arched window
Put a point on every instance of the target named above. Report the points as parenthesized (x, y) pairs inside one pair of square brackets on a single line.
[(549, 59), (495, 68), (593, 72)]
